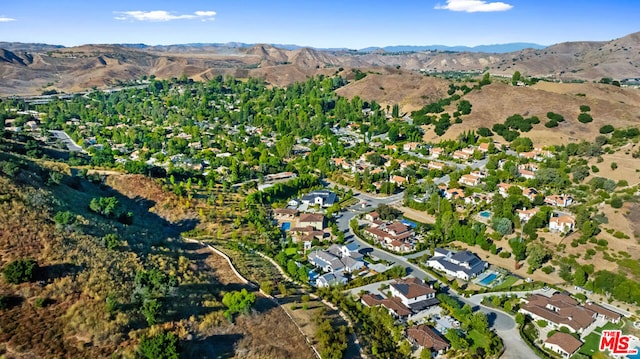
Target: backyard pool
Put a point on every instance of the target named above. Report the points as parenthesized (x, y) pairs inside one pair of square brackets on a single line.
[(485, 214), (409, 223), (634, 356), (488, 279), (285, 226)]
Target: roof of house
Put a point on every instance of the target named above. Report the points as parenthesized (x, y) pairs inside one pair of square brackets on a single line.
[(311, 217), (412, 287), (426, 337), (567, 342), (560, 309), (562, 219), (286, 211), (328, 197), (446, 258), (603, 311)]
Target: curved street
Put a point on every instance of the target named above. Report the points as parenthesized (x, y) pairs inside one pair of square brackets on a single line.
[(504, 324)]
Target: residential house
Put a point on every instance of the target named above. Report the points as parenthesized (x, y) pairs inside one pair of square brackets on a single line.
[(393, 305), (470, 180), (306, 234), (478, 198), (337, 259), (530, 193), (561, 223), (398, 180), (464, 264), (285, 213), (469, 150), (389, 234), (330, 279), (503, 189), (484, 147), (461, 155), (414, 293), (558, 200), (479, 174), (315, 220), (563, 343), (436, 152), (559, 310), (526, 214), (427, 338), (411, 146), (323, 198), (436, 166), (606, 314), (280, 176), (526, 173), (453, 193), (372, 216)]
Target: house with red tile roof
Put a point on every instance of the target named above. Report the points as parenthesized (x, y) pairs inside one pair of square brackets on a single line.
[(559, 310), (562, 343), (561, 223), (427, 338)]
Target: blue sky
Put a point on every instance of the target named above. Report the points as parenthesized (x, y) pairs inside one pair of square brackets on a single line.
[(353, 23)]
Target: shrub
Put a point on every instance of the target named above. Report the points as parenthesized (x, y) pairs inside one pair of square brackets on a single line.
[(616, 202), (161, 346), (606, 129), (547, 269), (585, 108), (551, 124), (20, 271), (585, 118)]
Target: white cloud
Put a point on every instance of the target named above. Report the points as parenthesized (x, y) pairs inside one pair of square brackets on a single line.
[(162, 15), (474, 6), (6, 19)]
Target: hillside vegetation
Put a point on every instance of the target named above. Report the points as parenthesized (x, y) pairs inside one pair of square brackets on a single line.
[(104, 284)]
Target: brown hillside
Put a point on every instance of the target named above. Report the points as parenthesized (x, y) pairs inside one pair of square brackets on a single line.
[(494, 103), (410, 90)]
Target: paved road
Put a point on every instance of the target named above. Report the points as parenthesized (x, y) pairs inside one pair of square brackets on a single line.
[(503, 324), (68, 141)]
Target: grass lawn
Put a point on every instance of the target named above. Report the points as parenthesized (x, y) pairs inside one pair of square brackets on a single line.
[(591, 343), (609, 326), (507, 283), (478, 339), (348, 203), (291, 251)]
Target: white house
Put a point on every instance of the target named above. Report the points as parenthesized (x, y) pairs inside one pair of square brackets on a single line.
[(464, 265), (412, 291), (562, 223)]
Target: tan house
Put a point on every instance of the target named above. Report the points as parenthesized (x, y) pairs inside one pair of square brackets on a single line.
[(427, 338), (562, 343), (559, 310), (315, 220), (470, 180)]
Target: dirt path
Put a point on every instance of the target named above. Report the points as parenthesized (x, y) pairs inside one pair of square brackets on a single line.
[(419, 216)]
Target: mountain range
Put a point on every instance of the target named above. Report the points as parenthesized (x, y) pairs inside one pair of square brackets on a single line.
[(33, 68)]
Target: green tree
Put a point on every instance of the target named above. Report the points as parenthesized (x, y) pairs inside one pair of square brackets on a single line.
[(537, 254), (238, 302), (149, 309), (20, 270), (580, 277), (161, 346), (516, 77)]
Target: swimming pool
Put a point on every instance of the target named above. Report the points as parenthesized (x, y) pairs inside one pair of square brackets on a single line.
[(409, 223), (488, 279), (285, 226), (485, 214), (635, 356)]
